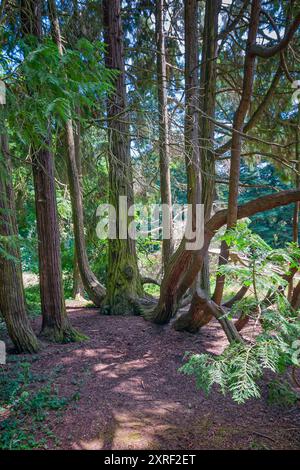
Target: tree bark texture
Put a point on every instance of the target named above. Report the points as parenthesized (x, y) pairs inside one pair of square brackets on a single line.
[(123, 278), (12, 300)]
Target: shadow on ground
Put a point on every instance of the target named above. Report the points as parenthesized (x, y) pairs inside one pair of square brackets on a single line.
[(129, 394)]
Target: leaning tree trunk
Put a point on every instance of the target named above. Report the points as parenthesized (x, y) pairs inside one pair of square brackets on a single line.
[(94, 289), (12, 301), (55, 323), (164, 144), (123, 278)]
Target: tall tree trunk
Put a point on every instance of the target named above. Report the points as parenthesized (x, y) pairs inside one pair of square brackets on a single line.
[(123, 278), (12, 301), (194, 318), (55, 324), (164, 144), (236, 145), (95, 290), (168, 305)]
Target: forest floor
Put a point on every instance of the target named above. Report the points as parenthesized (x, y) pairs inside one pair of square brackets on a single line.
[(124, 391)]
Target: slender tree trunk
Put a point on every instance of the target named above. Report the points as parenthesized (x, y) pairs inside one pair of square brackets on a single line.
[(208, 81), (123, 278), (254, 119), (236, 145), (55, 324), (94, 289), (191, 124), (295, 301), (78, 287), (12, 301), (164, 145)]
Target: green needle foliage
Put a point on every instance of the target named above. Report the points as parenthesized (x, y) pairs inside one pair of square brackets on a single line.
[(276, 327)]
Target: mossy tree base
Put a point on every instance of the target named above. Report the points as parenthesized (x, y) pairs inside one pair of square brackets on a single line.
[(62, 335), (124, 306)]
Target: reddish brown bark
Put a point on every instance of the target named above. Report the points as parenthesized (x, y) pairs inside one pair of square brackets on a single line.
[(12, 300), (295, 302), (267, 52), (204, 304)]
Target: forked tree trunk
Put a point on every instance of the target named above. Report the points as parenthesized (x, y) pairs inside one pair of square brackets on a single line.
[(164, 144), (12, 301), (55, 324), (93, 287), (123, 279)]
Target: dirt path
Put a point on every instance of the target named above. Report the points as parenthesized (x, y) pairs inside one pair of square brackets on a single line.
[(131, 396)]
